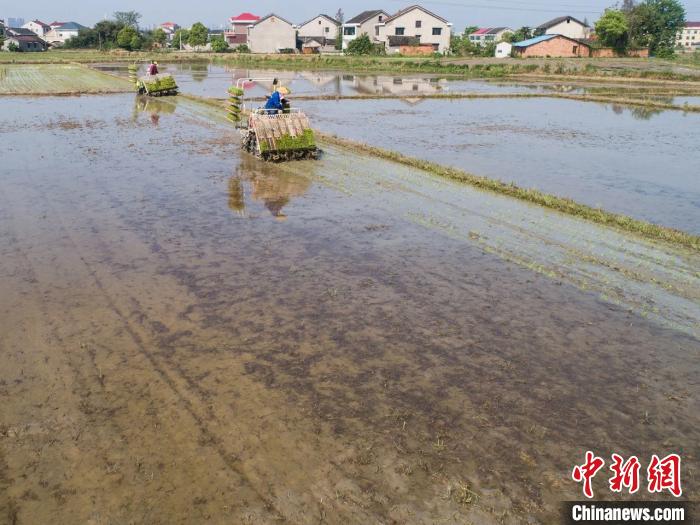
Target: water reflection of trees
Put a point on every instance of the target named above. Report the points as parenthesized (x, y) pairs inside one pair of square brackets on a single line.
[(267, 184), (638, 112), (199, 71)]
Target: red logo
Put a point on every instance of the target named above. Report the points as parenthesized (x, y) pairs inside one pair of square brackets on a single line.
[(662, 474)]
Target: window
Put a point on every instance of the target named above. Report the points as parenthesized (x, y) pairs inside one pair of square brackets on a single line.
[(328, 30), (349, 31), (376, 30), (419, 24), (437, 31), (400, 31), (575, 50), (319, 22), (381, 18)]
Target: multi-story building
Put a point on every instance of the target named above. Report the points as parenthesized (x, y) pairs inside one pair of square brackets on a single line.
[(415, 23), (170, 28), (566, 26), (272, 34), (15, 22), (37, 27), (62, 31), (366, 23), (488, 35), (237, 34), (689, 35)]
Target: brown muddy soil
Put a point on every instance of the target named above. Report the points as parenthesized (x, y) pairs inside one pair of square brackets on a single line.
[(188, 336)]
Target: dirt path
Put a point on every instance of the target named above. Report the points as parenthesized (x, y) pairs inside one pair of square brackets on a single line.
[(190, 336)]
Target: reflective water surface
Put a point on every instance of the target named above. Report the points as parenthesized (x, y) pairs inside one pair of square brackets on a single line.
[(190, 335), (633, 160)]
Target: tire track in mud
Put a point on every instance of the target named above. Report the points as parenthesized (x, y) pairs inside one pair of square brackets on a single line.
[(164, 371)]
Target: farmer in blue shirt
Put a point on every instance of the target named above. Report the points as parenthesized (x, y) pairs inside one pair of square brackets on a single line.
[(274, 102)]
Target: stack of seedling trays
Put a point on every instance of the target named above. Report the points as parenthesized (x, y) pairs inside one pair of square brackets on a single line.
[(157, 85)]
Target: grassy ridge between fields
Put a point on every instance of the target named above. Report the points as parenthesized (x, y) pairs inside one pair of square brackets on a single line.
[(560, 204)]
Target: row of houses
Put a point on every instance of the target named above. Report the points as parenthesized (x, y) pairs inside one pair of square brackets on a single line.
[(37, 35), (413, 30), (414, 26)]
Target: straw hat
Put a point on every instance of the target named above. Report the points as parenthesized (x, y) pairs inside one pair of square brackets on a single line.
[(283, 90)]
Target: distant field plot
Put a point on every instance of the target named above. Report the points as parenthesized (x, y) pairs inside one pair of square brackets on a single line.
[(38, 79)]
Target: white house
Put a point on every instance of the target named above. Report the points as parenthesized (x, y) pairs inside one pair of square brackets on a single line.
[(503, 49), (567, 26), (37, 27), (170, 28), (62, 32), (366, 23), (418, 24), (488, 35), (322, 26), (688, 36), (272, 34), (319, 33)]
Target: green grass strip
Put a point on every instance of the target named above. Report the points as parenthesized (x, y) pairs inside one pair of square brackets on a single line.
[(561, 204)]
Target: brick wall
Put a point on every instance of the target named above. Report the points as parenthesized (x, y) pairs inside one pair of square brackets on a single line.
[(416, 50), (555, 47), (609, 52)]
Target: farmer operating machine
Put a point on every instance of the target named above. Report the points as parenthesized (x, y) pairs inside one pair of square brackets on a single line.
[(153, 85), (273, 134)]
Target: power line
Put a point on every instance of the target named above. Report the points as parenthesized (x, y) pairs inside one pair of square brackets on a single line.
[(504, 8)]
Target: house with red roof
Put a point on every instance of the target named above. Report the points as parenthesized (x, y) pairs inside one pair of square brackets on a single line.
[(237, 34), (170, 28), (488, 35), (689, 37)]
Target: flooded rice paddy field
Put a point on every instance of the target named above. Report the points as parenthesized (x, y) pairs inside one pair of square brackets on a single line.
[(190, 335), (212, 80), (632, 160), (28, 79)]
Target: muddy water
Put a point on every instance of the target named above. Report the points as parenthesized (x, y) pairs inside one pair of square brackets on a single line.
[(634, 161), (188, 335)]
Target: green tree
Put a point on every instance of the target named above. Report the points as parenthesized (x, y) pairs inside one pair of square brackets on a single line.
[(126, 37), (470, 29), (159, 37), (128, 18), (524, 33), (198, 36), (656, 23), (219, 45), (107, 31), (180, 36), (613, 29), (136, 42), (362, 45)]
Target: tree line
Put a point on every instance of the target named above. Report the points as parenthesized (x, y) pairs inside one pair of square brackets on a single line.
[(123, 32)]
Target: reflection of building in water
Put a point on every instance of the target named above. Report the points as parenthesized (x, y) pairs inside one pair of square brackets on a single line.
[(389, 85), (262, 86), (268, 185), (323, 81)]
